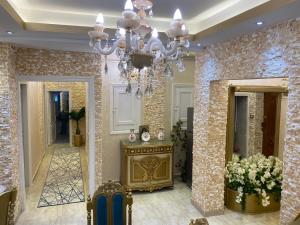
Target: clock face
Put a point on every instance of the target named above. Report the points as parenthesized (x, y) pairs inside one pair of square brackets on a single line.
[(145, 136)]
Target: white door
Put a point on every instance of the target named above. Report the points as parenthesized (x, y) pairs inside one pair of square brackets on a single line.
[(182, 99)]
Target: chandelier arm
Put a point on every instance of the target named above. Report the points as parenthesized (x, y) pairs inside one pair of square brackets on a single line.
[(164, 51), (107, 51)]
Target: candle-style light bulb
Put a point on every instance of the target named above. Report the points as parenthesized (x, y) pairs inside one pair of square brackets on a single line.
[(177, 15), (128, 5), (100, 19), (154, 33), (122, 32), (183, 27)]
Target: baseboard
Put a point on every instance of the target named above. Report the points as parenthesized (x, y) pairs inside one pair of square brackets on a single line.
[(38, 167)]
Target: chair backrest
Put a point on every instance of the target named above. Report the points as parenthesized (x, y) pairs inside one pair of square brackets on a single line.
[(7, 203), (201, 221), (110, 205)]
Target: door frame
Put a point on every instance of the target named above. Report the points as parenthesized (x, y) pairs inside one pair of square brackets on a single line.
[(26, 131), (47, 92), (91, 124), (232, 89)]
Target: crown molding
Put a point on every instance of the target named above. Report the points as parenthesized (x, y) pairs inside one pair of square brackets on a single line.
[(254, 12)]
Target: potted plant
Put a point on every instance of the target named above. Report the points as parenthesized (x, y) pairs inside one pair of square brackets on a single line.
[(76, 116), (179, 139), (253, 184)]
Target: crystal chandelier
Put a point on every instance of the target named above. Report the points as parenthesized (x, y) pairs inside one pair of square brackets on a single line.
[(138, 46)]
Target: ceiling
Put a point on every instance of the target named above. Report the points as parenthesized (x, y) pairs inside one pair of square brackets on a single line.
[(63, 24)]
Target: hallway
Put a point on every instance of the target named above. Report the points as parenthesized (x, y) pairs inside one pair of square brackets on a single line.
[(59, 214)]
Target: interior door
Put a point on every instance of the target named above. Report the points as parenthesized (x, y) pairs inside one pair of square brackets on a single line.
[(269, 123), (51, 112)]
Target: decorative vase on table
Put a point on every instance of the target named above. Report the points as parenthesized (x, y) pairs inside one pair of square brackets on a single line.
[(132, 136), (161, 134)]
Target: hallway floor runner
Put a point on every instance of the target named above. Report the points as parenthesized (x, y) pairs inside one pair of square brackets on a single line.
[(64, 182)]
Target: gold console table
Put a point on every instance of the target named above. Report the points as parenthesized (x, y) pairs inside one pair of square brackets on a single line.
[(147, 166)]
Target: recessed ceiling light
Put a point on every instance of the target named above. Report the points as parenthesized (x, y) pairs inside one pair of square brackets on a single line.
[(259, 23), (198, 44), (9, 32)]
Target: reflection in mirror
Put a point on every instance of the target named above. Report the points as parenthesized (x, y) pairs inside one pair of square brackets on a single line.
[(258, 123)]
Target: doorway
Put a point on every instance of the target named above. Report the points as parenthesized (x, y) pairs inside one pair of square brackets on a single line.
[(89, 186), (241, 125), (58, 122)]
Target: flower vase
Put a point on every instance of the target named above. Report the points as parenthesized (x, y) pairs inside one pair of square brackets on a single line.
[(161, 134), (253, 203), (132, 136)]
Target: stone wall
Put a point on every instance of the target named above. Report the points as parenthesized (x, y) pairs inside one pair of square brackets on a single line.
[(267, 53), (9, 145), (154, 105), (255, 136)]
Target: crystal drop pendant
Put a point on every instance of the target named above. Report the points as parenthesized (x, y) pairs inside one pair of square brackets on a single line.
[(120, 66), (128, 88), (151, 13), (139, 93)]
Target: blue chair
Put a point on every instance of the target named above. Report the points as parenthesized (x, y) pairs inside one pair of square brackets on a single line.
[(111, 205)]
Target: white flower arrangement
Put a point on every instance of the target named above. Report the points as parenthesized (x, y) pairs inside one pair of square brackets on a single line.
[(256, 174)]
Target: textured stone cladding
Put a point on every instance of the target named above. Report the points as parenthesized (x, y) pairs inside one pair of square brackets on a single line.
[(154, 105), (37, 62), (267, 53), (9, 145)]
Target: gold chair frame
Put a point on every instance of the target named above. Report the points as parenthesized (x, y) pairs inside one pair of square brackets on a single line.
[(201, 221), (10, 198), (108, 190)]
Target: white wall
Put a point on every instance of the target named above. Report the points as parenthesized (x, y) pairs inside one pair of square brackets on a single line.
[(35, 99), (111, 142)]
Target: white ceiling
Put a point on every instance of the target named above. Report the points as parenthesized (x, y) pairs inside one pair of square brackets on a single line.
[(79, 42), (165, 8), (198, 14)]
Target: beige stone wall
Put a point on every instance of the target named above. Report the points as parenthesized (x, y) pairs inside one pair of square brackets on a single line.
[(256, 109), (78, 97), (270, 52), (9, 145)]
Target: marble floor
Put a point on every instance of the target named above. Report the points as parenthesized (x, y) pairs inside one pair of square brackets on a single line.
[(166, 207)]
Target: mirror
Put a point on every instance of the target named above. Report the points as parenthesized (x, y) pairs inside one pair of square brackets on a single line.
[(258, 123)]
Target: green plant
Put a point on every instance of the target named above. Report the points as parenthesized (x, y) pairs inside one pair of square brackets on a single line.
[(179, 139), (76, 116)]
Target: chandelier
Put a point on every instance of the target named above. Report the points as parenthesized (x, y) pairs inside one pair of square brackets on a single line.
[(138, 46)]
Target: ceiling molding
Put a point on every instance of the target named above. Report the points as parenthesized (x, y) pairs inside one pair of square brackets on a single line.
[(254, 12), (56, 28), (12, 12), (46, 27)]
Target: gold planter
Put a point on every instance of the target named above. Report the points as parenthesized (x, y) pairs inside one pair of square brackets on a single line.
[(77, 140), (252, 203)]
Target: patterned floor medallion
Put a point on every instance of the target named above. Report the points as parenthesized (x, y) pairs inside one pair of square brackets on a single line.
[(64, 182)]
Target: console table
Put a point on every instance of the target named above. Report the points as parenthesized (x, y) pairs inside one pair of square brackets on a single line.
[(147, 166)]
